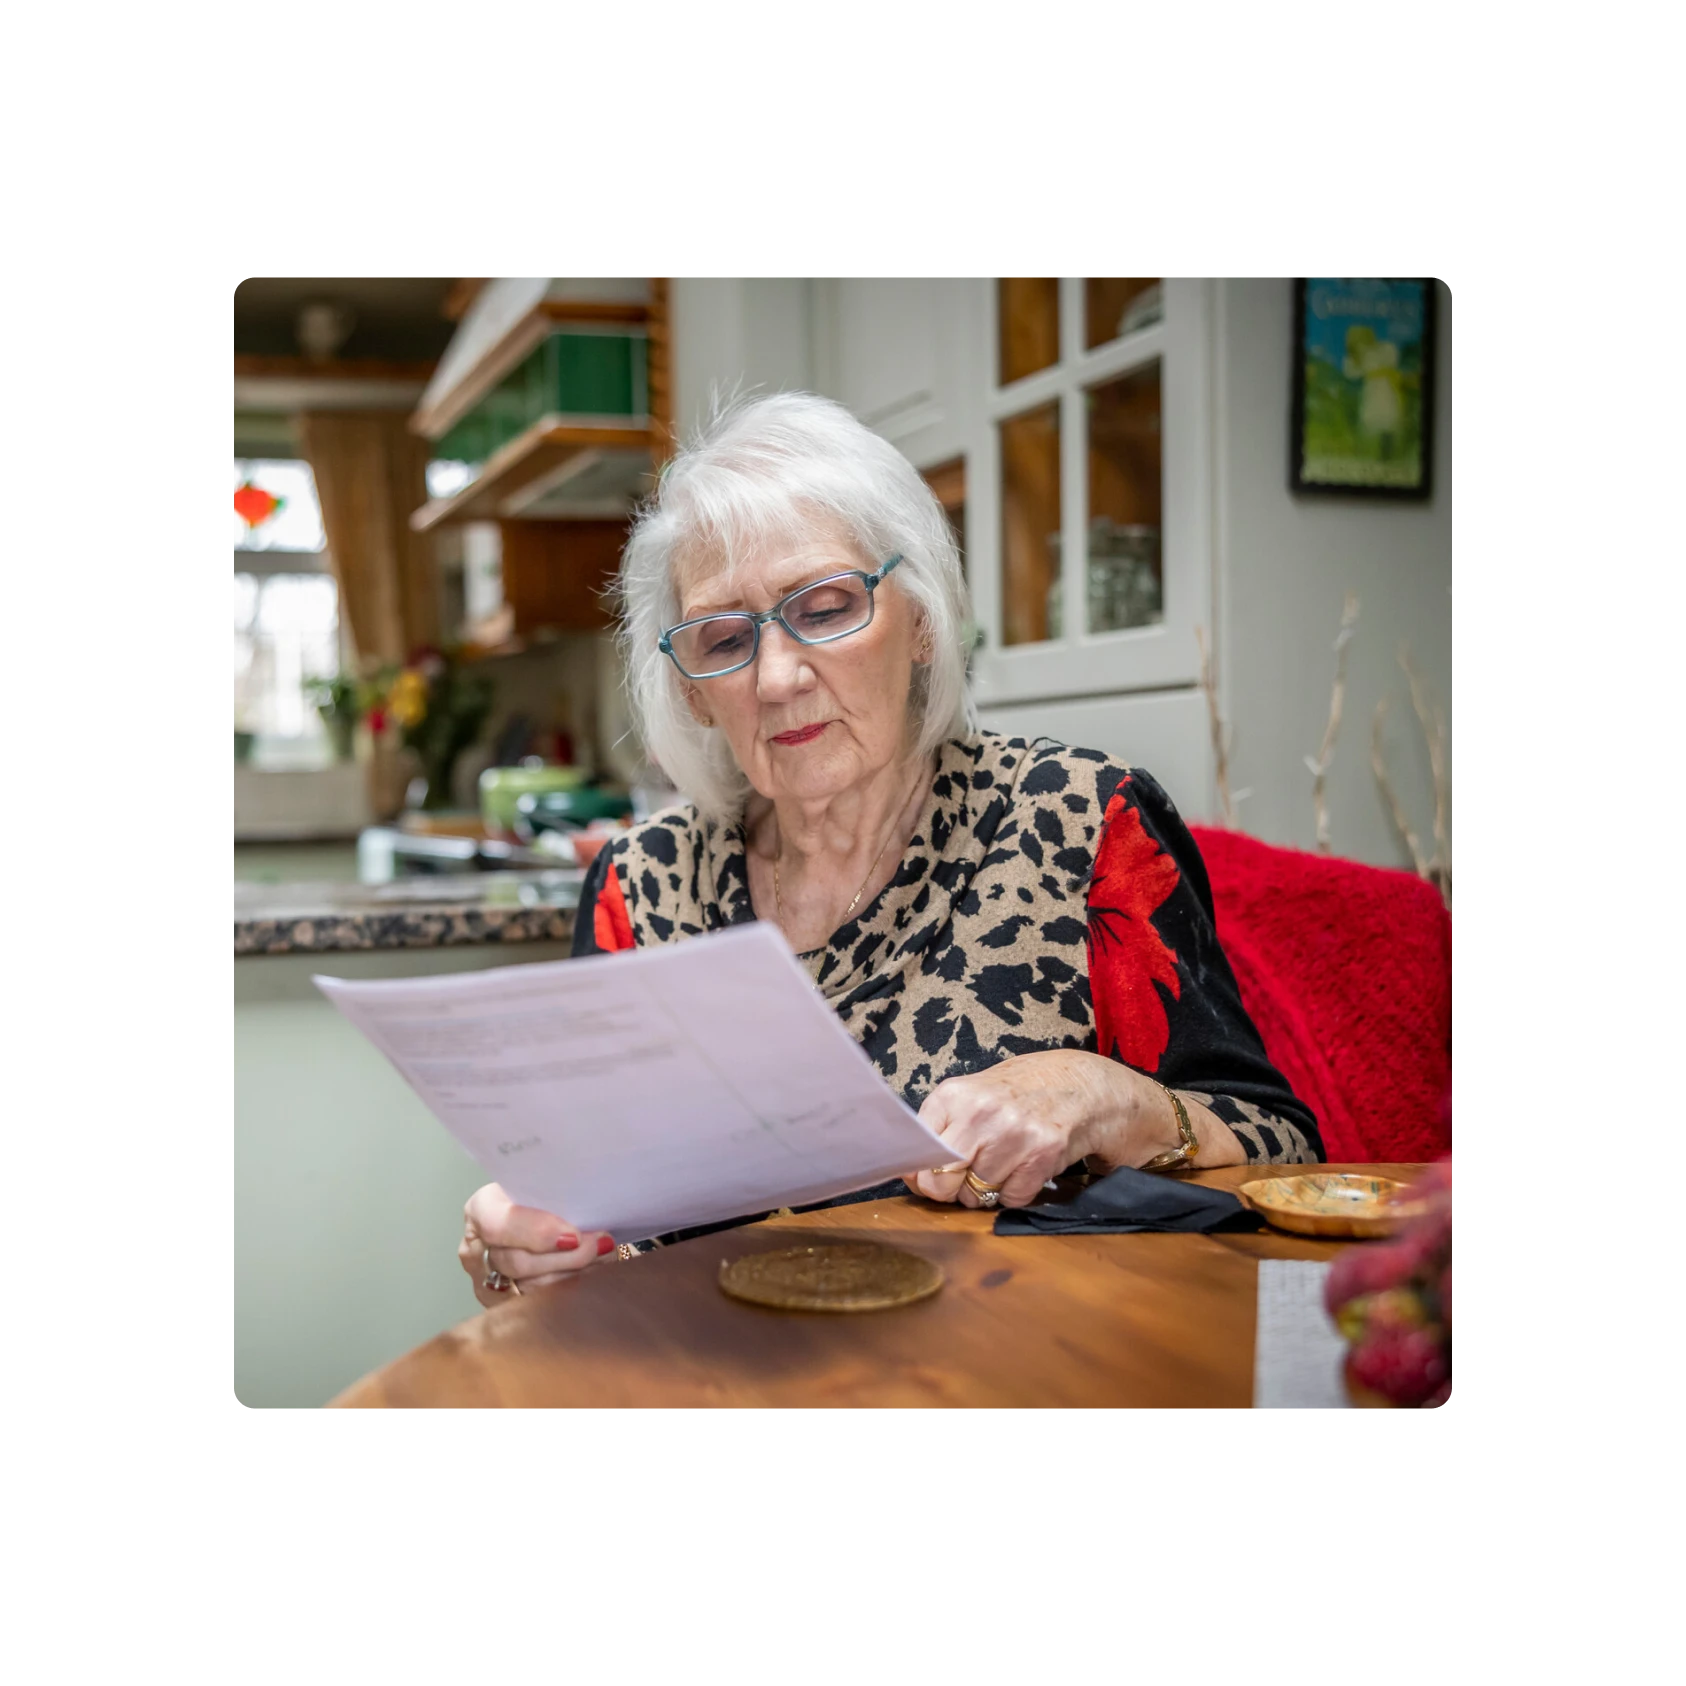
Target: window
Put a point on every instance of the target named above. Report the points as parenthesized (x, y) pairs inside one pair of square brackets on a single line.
[(297, 523), (286, 615), (1091, 564), (445, 477)]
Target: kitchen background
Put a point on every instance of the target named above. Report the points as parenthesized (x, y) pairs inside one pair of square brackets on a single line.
[(433, 478)]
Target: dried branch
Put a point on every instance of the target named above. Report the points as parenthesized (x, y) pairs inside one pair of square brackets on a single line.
[(1220, 733), (1434, 735), (1320, 764), (1378, 765)]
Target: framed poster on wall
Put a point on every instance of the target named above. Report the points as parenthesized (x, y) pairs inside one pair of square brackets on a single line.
[(1363, 416)]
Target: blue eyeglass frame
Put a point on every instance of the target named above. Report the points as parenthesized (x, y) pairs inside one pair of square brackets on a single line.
[(871, 581)]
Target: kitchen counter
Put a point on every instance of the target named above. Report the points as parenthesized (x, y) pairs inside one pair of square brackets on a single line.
[(445, 911)]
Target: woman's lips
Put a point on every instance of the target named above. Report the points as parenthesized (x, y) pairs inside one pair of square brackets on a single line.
[(803, 734)]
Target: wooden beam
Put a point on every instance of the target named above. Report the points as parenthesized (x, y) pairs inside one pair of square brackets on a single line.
[(248, 366), (594, 310), (460, 297), (547, 444), (660, 373)]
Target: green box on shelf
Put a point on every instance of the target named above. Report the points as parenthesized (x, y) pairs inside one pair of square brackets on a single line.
[(508, 407), (595, 374), (574, 373)]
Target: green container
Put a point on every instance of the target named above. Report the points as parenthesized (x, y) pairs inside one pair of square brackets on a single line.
[(575, 373), (501, 787), (594, 374), (465, 442)]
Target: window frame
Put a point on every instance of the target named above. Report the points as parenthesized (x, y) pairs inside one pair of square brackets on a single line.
[(1080, 663), (308, 751)]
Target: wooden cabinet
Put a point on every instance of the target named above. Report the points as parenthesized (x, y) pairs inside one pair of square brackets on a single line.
[(555, 574), (547, 418)]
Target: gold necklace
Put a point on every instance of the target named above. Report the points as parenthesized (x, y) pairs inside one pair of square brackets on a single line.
[(778, 900)]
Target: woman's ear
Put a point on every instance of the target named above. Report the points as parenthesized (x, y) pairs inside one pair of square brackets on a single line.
[(694, 702), (922, 651)]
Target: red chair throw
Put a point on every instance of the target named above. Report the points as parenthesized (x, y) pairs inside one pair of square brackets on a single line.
[(1347, 972)]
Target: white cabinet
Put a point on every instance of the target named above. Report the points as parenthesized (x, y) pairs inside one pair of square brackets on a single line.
[(1079, 421), (1086, 466), (902, 354)]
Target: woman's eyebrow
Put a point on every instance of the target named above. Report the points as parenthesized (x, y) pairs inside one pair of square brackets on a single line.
[(799, 571)]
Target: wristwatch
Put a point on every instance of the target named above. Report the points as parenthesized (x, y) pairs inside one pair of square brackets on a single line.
[(1182, 1156)]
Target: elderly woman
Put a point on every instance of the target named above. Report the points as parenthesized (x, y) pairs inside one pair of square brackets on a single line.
[(1020, 935)]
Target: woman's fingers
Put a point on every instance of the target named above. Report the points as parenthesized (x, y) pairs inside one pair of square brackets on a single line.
[(526, 1246), (947, 1114), (937, 1185), (523, 1266), (494, 1216)]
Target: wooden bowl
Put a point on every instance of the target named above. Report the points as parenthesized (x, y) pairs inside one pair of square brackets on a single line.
[(1330, 1203)]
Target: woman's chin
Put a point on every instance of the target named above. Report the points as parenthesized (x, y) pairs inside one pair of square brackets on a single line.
[(811, 772)]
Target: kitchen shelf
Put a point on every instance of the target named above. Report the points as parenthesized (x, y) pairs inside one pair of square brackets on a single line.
[(458, 390), (545, 451)]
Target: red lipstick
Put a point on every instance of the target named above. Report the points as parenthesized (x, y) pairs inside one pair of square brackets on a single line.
[(803, 734)]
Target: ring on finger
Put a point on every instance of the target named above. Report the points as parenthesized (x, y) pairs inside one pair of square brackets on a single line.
[(989, 1194), (493, 1278)]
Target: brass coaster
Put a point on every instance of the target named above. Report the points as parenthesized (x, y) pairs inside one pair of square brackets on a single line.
[(840, 1276)]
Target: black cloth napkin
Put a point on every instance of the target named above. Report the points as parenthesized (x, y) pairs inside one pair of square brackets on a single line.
[(1126, 1200)]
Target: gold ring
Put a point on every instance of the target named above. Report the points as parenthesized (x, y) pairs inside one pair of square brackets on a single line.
[(979, 1187), (949, 1170)]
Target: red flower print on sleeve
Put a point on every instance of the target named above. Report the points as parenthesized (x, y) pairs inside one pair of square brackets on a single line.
[(609, 923), (1127, 958)]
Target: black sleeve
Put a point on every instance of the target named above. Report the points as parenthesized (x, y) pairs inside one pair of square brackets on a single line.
[(1213, 1051), (585, 915)]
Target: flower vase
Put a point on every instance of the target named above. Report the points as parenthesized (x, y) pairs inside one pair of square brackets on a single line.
[(434, 793), (342, 735)]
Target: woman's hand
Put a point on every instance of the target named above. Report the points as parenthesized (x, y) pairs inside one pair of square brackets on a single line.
[(1028, 1118), (529, 1247)]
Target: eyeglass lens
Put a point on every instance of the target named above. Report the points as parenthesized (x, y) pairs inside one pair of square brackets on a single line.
[(824, 611)]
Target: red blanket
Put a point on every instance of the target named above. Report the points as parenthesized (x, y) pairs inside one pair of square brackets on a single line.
[(1347, 972)]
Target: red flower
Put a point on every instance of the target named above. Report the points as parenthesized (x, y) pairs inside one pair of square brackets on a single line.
[(254, 505), (609, 923), (1127, 958), (377, 720)]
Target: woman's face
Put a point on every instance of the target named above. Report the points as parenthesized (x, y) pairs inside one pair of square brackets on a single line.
[(806, 722)]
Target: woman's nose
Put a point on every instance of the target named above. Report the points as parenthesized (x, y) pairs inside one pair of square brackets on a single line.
[(781, 666)]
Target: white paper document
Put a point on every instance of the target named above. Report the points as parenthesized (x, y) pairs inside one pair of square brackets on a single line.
[(647, 1091)]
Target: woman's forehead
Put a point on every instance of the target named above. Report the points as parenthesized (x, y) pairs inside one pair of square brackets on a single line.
[(718, 578)]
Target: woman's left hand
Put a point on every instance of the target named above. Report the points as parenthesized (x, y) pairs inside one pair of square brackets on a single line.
[(1028, 1118)]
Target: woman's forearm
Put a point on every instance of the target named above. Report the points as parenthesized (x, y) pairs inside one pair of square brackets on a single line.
[(1143, 1123)]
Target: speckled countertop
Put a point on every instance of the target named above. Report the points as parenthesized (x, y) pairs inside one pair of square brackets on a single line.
[(443, 911)]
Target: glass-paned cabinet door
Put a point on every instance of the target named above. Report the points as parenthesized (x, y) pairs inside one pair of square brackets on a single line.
[(1030, 524), (1028, 328), (1114, 308), (1098, 565), (1125, 563)]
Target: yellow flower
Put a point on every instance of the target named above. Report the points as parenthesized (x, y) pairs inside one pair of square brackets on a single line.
[(407, 700)]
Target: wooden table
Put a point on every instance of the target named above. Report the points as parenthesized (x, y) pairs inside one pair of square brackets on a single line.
[(1147, 1319)]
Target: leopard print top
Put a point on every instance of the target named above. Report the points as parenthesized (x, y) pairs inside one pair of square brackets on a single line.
[(1049, 898)]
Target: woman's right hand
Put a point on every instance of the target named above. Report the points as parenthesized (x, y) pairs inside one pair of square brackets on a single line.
[(529, 1247)]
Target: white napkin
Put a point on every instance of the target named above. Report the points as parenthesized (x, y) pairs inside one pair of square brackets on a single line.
[(1298, 1351)]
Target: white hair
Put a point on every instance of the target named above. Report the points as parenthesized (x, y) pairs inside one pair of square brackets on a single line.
[(770, 470)]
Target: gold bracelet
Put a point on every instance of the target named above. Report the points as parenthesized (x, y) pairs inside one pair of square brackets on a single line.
[(1182, 1156)]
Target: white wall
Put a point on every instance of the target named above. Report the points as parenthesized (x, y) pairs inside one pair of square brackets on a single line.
[(757, 333), (348, 1194), (1284, 565)]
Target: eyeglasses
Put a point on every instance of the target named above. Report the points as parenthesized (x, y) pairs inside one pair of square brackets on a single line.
[(819, 613)]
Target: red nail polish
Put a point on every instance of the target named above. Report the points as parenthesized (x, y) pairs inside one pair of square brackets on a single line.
[(567, 1243), (605, 1244)]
